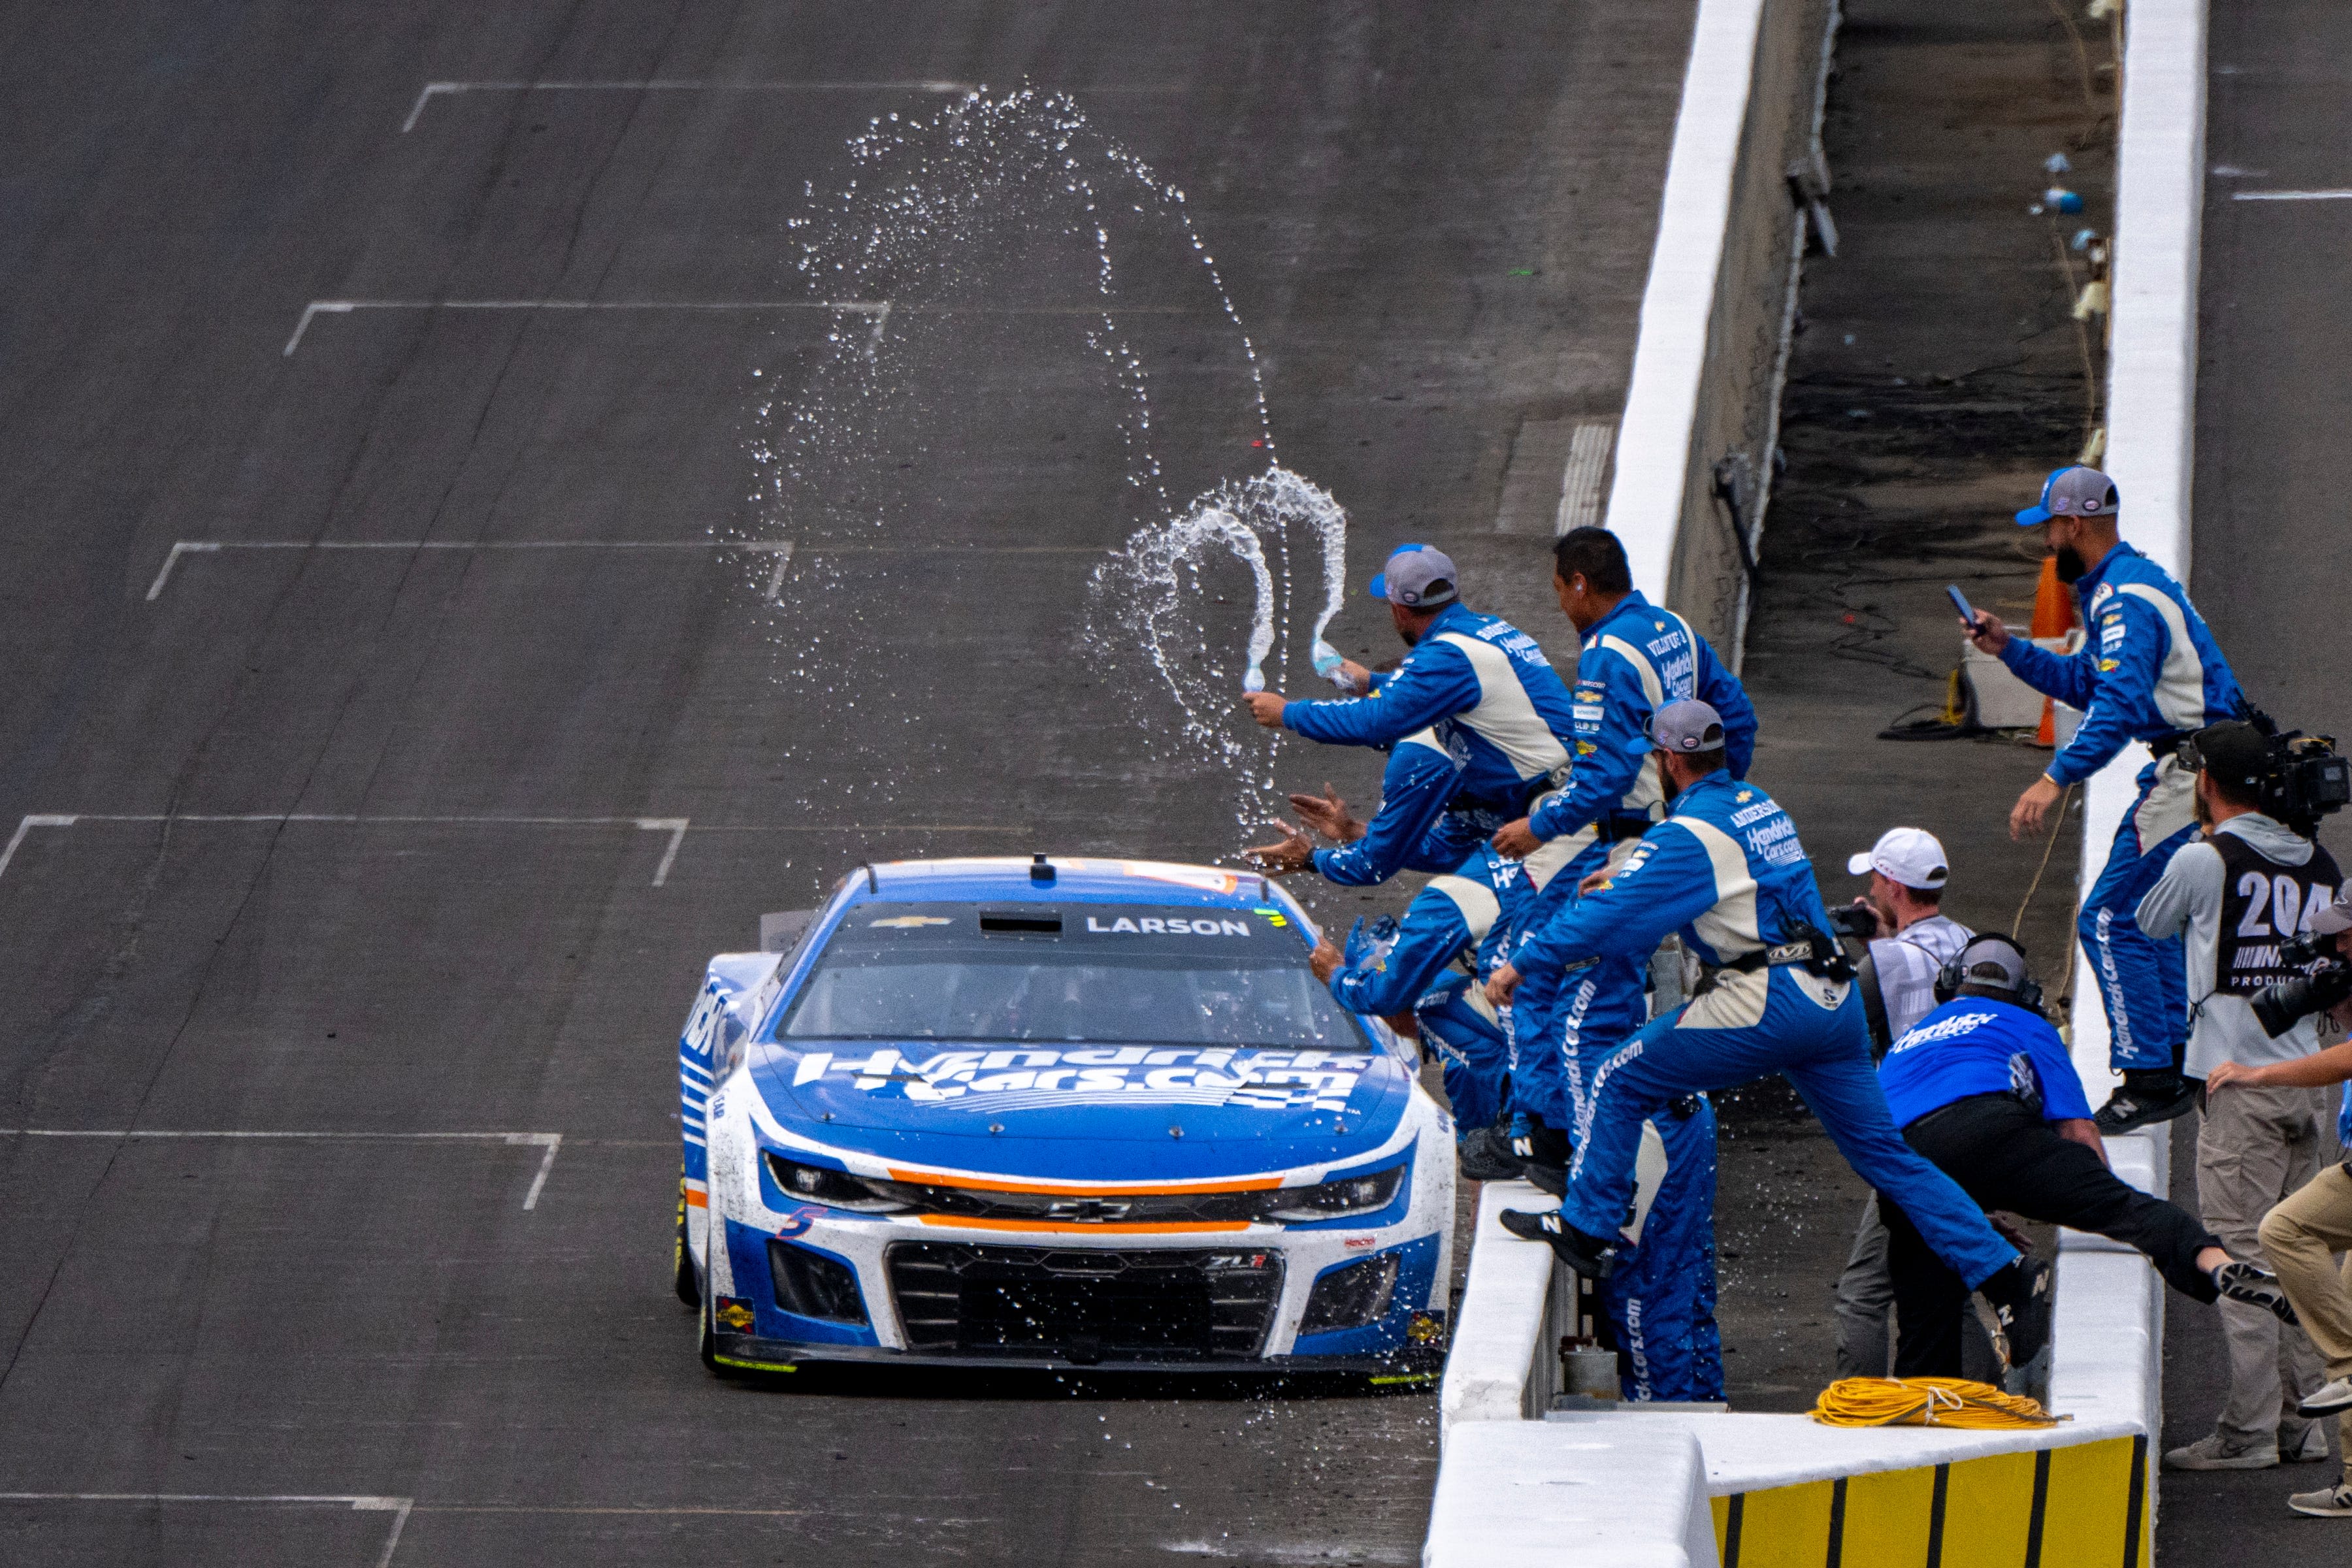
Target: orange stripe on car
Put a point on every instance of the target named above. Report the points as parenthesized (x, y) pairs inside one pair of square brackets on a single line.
[(965, 1221), (695, 1198), (1094, 1190)]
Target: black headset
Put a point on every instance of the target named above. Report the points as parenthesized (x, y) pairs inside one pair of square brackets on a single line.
[(1955, 973)]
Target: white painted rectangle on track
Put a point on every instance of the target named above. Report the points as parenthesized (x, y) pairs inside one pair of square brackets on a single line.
[(878, 311), (551, 1142), (676, 827), (398, 1507), (782, 549)]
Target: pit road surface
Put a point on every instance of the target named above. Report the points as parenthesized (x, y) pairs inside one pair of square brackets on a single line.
[(406, 842), (2268, 570)]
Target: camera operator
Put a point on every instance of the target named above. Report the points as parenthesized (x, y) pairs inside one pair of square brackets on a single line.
[(1907, 938), (2236, 895), (2304, 1233)]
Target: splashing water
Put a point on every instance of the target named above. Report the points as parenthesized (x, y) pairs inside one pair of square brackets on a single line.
[(954, 236), (1149, 597)]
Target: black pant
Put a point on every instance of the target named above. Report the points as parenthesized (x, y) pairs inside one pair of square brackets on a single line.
[(2006, 1157)]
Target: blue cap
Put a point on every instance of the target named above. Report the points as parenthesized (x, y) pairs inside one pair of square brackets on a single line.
[(2072, 492), (1417, 577)]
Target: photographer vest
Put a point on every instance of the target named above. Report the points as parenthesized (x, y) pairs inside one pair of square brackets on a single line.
[(2263, 903)]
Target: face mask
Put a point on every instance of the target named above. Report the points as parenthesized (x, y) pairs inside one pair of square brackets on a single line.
[(2070, 564)]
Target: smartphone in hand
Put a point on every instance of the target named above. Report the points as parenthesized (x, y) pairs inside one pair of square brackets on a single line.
[(1960, 603)]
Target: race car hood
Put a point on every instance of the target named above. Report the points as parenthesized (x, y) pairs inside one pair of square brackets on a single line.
[(1152, 1112)]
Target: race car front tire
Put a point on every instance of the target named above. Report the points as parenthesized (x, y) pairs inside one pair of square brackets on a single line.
[(688, 1286), (707, 1339)]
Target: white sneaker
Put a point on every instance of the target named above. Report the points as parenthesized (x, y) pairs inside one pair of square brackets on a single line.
[(2301, 1442), (2329, 1399), (2216, 1452), (2334, 1503)]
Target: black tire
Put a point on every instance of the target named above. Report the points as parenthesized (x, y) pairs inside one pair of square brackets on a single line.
[(706, 1341), (688, 1285)]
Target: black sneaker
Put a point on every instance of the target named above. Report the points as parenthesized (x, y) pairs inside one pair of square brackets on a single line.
[(2145, 1099), (1587, 1255), (2019, 1296), (1542, 1153), (2256, 1287), (1486, 1156)]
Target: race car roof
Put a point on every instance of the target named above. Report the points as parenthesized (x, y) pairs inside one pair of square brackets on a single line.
[(1010, 878)]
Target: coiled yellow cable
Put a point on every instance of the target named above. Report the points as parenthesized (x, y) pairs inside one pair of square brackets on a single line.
[(1926, 1402)]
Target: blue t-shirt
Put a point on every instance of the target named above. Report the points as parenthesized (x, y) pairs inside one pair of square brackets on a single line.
[(1972, 1044)]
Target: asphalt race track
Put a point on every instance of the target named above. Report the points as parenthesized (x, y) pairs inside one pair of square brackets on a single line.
[(2274, 336), (354, 896)]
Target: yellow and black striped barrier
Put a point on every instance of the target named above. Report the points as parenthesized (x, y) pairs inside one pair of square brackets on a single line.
[(2081, 1506)]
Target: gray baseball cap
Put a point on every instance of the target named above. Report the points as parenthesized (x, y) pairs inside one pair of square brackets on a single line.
[(2072, 492), (1688, 725), (1416, 577), (1993, 962), (2330, 918)]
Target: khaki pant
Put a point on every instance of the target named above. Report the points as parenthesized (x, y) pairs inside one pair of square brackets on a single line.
[(2302, 1236), (2254, 1147)]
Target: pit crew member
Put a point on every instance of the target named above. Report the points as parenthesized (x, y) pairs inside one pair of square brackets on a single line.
[(1635, 658), (1983, 1087), (1727, 869), (1507, 702), (2149, 671)]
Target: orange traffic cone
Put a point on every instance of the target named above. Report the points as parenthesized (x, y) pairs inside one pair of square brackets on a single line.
[(2053, 616)]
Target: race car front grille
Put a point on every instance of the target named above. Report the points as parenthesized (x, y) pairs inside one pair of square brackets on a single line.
[(1083, 1305)]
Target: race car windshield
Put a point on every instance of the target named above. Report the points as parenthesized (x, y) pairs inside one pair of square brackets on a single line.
[(1123, 973)]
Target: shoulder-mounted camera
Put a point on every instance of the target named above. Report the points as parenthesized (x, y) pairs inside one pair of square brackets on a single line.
[(2303, 777)]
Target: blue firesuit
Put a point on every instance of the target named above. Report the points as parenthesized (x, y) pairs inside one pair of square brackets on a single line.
[(1660, 1294), (1636, 660), (2148, 671), (1727, 869), (1411, 831), (1433, 964), (1507, 702)]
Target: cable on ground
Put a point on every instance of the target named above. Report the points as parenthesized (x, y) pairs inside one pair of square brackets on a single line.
[(1953, 1401)]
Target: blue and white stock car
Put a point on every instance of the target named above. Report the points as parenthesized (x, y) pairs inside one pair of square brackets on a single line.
[(1083, 1113)]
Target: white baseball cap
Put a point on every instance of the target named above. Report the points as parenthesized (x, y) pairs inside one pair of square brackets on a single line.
[(1906, 855)]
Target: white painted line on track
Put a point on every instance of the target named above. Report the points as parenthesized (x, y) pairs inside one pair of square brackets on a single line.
[(2342, 195), (398, 1507), (880, 309), (552, 1143), (316, 308), (676, 827), (782, 549), (432, 89)]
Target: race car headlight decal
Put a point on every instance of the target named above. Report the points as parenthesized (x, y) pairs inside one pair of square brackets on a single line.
[(1337, 1199), (834, 1189), (1352, 1297)]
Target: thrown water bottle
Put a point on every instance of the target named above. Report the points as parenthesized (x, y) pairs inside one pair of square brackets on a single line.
[(1254, 680)]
